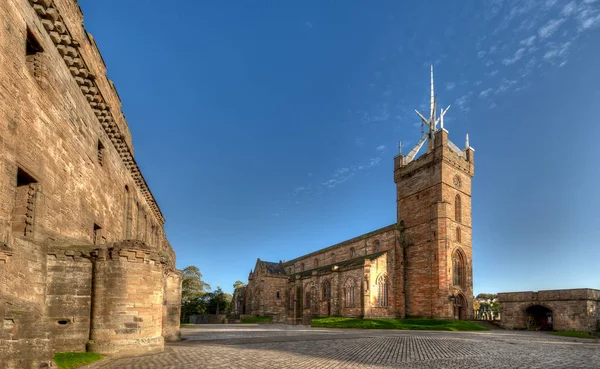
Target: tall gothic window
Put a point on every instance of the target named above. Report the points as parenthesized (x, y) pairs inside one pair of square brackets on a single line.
[(458, 269), (350, 293), (316, 263), (352, 252), (382, 291), (332, 258), (458, 235), (301, 267), (326, 290), (291, 299), (457, 209), (377, 246)]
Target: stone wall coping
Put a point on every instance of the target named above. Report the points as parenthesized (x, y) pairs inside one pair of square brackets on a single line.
[(550, 295)]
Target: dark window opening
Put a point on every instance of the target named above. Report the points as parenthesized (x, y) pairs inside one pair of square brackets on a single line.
[(277, 295), (377, 246), (100, 153), (63, 322), (97, 237), (25, 198), (33, 51)]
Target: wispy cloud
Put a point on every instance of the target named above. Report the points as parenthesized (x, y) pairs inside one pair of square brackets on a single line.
[(527, 42), (463, 102), (450, 86), (380, 148), (550, 27), (515, 58), (486, 92), (557, 51), (308, 24)]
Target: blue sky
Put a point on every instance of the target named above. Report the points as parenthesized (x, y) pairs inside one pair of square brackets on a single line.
[(268, 129)]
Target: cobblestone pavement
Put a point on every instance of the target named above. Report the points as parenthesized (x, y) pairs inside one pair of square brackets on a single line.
[(280, 346)]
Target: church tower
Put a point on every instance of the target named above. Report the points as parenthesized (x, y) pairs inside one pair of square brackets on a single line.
[(434, 218)]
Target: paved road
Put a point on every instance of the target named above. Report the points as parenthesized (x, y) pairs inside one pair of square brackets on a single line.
[(281, 346)]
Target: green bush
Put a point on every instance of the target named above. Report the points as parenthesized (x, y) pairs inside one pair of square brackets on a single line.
[(257, 319), (405, 324), (573, 334), (70, 360)]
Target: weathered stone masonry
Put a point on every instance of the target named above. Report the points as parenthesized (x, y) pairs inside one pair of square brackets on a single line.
[(84, 260)]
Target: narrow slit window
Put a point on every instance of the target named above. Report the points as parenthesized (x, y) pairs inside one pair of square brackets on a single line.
[(97, 234), (25, 200), (33, 51), (100, 153)]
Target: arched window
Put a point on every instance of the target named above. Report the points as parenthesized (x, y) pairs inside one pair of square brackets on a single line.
[(352, 252), (382, 291), (316, 263), (301, 267), (350, 293), (326, 290), (332, 258), (457, 209), (291, 299), (458, 236), (377, 246), (277, 295), (458, 269)]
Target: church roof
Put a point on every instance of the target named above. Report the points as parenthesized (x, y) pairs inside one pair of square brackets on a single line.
[(273, 268)]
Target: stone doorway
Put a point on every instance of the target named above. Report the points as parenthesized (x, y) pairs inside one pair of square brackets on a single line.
[(460, 307), (539, 318)]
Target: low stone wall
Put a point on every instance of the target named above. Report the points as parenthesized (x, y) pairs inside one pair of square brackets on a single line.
[(207, 318), (572, 309)]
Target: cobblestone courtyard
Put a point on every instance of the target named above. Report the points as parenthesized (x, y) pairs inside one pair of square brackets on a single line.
[(280, 346)]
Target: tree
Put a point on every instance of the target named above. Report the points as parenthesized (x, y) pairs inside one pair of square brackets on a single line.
[(218, 301), (193, 291), (476, 308), (238, 284)]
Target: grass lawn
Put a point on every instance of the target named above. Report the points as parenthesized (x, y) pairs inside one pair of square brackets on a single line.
[(257, 319), (70, 360), (406, 324), (573, 334)]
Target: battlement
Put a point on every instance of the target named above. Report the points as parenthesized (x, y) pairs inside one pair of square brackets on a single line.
[(83, 60)]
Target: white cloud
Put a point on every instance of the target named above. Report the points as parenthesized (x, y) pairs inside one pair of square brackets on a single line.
[(550, 27), (528, 41), (481, 54), (557, 51), (462, 102), (516, 57), (486, 92), (494, 72), (569, 9), (505, 85), (308, 25), (492, 106), (380, 148), (590, 22), (450, 86)]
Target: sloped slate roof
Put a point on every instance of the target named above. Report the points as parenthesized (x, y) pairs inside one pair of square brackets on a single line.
[(273, 268)]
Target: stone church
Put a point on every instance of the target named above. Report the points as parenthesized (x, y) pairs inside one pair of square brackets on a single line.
[(420, 266), (84, 260)]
